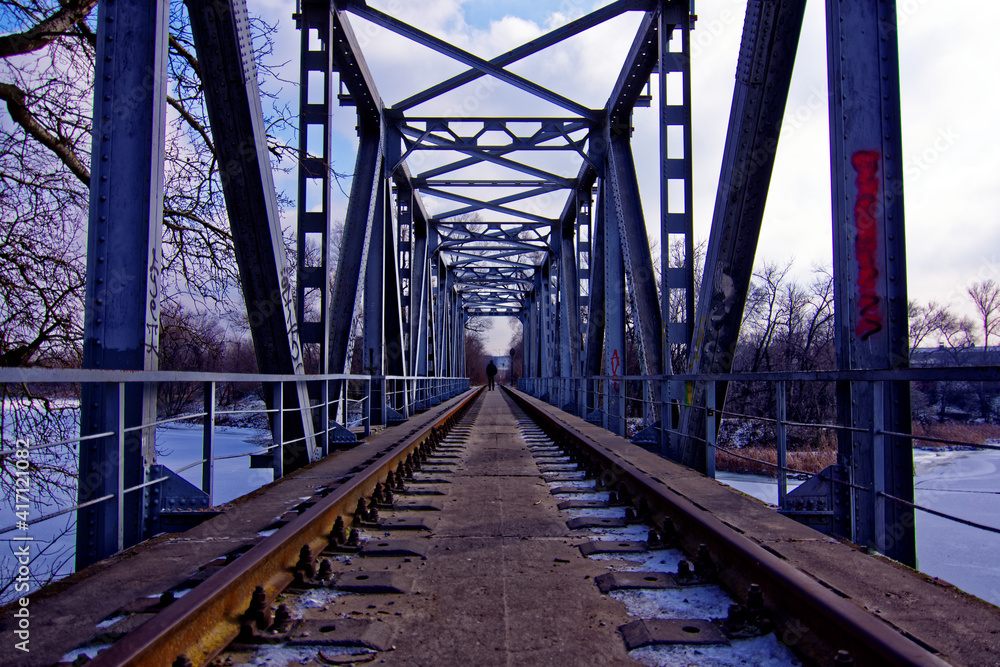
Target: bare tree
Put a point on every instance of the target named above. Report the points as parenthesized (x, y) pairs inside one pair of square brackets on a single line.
[(46, 87), (922, 323), (476, 356), (678, 300), (189, 341), (985, 296), (787, 326)]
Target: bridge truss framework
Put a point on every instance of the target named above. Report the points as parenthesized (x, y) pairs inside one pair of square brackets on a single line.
[(412, 280)]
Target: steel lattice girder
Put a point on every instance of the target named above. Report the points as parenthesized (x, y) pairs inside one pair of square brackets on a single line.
[(493, 267), (436, 134)]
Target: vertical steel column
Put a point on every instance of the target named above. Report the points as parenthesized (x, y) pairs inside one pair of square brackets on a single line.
[(636, 257), (646, 319), (676, 181), (396, 358), (396, 237), (531, 337), (596, 315), (374, 313), (569, 318), (314, 214), (614, 307), (428, 318), (555, 270), (419, 274), (574, 245), (438, 323), (463, 318), (676, 205), (450, 323), (584, 263), (870, 266), (121, 298), (404, 260), (522, 318), (543, 283)]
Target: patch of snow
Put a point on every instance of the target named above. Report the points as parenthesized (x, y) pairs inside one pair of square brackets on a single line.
[(689, 602), (757, 652)]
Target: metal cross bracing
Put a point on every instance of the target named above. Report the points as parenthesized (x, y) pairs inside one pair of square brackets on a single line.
[(535, 216), (490, 224)]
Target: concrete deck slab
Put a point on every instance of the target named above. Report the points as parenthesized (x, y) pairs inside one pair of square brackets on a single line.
[(503, 583)]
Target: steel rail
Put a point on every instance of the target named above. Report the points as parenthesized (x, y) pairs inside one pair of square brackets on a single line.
[(203, 622), (792, 593)]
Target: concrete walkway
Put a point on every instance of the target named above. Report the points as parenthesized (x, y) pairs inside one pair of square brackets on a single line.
[(504, 583)]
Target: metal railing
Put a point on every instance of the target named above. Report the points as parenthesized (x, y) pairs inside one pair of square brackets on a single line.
[(344, 402), (632, 405)]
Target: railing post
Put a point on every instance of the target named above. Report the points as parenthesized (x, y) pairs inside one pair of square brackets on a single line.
[(666, 418), (324, 417), (343, 405), (408, 407), (278, 429), (368, 407), (711, 432), (120, 498), (782, 444), (208, 441), (605, 404), (878, 464)]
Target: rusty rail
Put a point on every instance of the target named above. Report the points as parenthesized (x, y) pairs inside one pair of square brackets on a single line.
[(203, 622), (834, 623)]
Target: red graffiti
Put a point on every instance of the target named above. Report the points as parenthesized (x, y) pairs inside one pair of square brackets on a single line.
[(866, 164), (615, 365)]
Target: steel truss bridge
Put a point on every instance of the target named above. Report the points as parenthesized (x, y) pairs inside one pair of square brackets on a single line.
[(413, 279)]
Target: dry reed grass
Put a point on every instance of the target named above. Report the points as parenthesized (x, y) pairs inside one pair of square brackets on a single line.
[(957, 431), (765, 459)]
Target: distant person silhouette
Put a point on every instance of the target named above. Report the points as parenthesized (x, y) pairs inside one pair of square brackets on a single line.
[(491, 372)]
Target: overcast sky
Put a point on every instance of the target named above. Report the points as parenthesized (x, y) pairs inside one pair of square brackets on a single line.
[(950, 59)]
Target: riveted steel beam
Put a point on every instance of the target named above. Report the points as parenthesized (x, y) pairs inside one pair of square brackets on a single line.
[(121, 296), (636, 253), (314, 215), (869, 253)]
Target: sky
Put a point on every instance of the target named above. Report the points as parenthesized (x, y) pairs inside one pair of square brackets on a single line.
[(949, 63)]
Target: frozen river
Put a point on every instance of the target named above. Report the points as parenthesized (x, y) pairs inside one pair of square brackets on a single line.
[(965, 484), (962, 483)]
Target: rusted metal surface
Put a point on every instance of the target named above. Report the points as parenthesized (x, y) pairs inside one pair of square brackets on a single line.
[(207, 619), (654, 631), (821, 620)]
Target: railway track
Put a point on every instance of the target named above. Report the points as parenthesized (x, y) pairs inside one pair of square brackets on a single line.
[(502, 535)]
